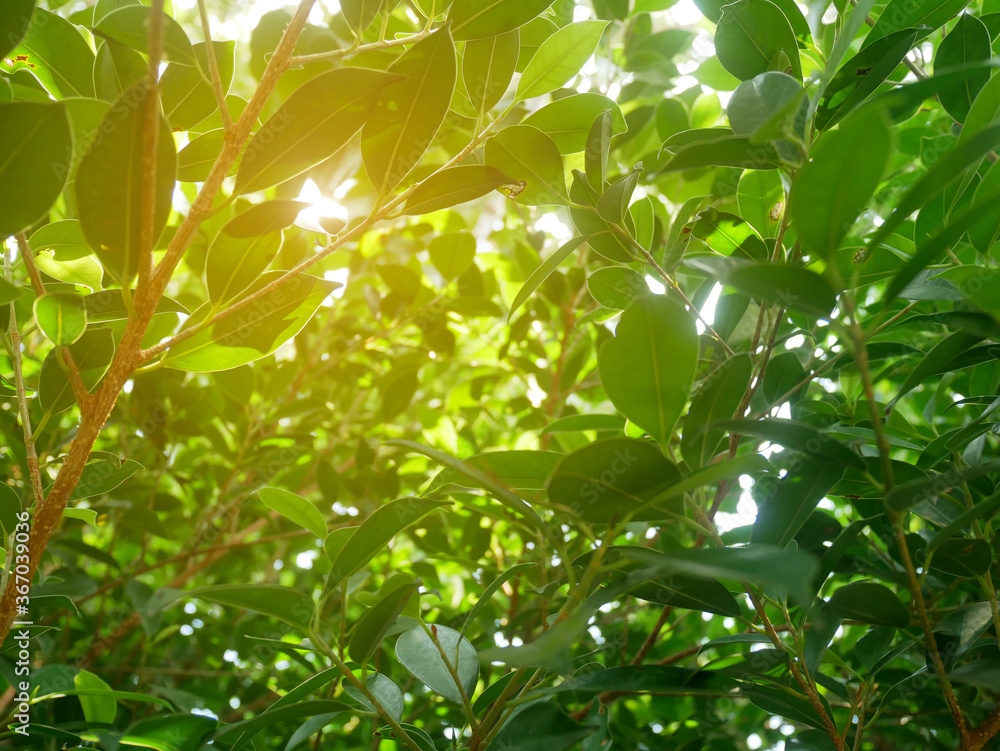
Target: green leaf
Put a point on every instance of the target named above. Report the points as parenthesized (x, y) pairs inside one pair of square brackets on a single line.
[(314, 123), (387, 693), (129, 25), (195, 161), (616, 286), (110, 184), (276, 714), (452, 253), (692, 593), (762, 565), (484, 598), (559, 58), (102, 477), (9, 292), (531, 158), (985, 510), (480, 19), (417, 652), (902, 14), (936, 360), (295, 508), (14, 24), (755, 102), (97, 708), (648, 367), (55, 52), (860, 76), (117, 67), (963, 557), (788, 286), (540, 274), (576, 423), (256, 330), (785, 503), (187, 97), (795, 436), (717, 398), (928, 488), (837, 184), (92, 354), (751, 34), (659, 679), (34, 161), (985, 110), (487, 68), (282, 603), (726, 233), (373, 625), (540, 727), (724, 151), (410, 110), (62, 252), (613, 204), (515, 469), (869, 602), (453, 186), (360, 14), (967, 42), (727, 469), (61, 317), (598, 149), (245, 247), (177, 732), (10, 507), (376, 531), (568, 120), (608, 480)]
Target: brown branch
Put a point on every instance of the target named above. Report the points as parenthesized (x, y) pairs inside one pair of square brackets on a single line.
[(126, 357)]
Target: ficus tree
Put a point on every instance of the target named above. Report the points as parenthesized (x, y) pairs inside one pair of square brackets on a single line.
[(500, 374)]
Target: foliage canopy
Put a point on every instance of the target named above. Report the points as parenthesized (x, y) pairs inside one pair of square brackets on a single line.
[(500, 374)]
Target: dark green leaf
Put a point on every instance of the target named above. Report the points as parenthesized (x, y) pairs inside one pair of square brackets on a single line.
[(608, 480), (34, 161), (785, 503), (836, 185), (376, 531), (717, 398), (795, 436), (869, 602)]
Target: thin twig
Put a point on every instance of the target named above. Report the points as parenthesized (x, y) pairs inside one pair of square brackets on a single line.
[(213, 66), (31, 455), (300, 60)]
